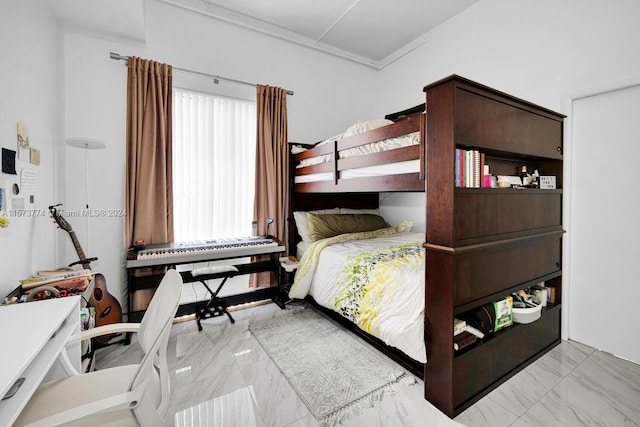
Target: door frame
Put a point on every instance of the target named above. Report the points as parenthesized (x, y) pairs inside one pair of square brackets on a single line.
[(568, 101)]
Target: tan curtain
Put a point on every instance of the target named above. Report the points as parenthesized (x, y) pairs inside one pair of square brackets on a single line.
[(271, 168), (149, 176)]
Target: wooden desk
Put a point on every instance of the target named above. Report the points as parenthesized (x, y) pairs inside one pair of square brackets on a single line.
[(34, 335)]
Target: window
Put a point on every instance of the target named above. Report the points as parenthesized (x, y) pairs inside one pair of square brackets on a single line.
[(214, 142)]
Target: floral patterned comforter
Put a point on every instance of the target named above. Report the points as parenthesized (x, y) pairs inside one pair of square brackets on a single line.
[(374, 279)]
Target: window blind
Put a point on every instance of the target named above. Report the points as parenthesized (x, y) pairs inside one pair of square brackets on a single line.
[(213, 166)]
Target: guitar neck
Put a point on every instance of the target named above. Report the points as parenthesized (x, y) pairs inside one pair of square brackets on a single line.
[(79, 251)]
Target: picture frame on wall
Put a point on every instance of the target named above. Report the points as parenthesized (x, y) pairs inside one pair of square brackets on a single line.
[(24, 151)]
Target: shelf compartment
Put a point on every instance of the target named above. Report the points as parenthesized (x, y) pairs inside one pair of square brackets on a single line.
[(552, 279), (488, 364)]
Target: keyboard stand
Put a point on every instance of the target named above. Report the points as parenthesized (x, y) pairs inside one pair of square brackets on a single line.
[(214, 307)]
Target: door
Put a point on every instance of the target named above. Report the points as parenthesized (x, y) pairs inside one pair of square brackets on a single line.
[(605, 222)]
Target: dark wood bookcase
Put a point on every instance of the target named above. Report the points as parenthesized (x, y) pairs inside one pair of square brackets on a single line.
[(483, 243)]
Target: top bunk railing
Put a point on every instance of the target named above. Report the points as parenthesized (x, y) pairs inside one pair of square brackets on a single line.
[(413, 181)]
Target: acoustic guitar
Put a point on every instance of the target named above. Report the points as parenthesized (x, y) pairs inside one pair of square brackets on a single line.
[(108, 309)]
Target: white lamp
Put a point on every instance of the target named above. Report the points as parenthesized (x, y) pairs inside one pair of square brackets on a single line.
[(86, 144)]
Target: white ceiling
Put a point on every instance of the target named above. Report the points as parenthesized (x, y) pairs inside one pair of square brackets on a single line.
[(371, 32)]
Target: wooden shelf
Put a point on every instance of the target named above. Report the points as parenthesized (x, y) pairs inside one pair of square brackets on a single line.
[(492, 361), (485, 243)]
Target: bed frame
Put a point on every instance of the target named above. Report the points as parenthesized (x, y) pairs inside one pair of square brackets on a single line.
[(481, 243), (405, 122)]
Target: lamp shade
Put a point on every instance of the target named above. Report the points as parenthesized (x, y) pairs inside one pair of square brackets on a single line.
[(90, 143)]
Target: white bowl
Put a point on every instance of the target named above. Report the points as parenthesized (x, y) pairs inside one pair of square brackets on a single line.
[(527, 315)]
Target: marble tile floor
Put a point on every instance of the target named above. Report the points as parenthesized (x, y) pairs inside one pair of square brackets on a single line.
[(221, 377)]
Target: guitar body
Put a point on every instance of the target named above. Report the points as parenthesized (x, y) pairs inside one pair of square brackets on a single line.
[(107, 307)]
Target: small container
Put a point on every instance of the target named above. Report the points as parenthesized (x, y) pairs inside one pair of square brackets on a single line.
[(527, 315)]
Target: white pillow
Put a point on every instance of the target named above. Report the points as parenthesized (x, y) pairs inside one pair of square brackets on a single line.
[(303, 226), (404, 227), (361, 127), (295, 149), (360, 211), (328, 140)]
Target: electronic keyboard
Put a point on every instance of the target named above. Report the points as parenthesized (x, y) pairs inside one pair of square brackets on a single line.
[(200, 251)]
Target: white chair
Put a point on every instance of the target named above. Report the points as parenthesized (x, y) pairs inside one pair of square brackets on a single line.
[(124, 395)]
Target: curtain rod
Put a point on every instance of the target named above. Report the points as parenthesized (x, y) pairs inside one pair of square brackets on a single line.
[(216, 79)]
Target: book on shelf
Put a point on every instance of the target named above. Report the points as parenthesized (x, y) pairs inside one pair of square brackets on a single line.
[(473, 331), (475, 169), (59, 277), (470, 169), (458, 326), (52, 274), (463, 340), (458, 168)]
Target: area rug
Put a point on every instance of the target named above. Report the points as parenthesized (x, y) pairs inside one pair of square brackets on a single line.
[(334, 374)]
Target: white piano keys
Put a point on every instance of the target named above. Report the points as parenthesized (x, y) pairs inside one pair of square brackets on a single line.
[(189, 252)]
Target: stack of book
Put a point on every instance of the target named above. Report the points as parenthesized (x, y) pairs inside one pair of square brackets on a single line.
[(464, 335), (67, 279), (471, 170)]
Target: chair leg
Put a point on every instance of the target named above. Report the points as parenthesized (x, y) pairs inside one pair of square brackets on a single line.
[(146, 414)]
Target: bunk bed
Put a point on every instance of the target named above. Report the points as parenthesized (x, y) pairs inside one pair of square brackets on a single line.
[(387, 155), (481, 244)]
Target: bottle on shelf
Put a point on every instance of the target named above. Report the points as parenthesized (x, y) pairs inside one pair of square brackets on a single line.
[(525, 177), (535, 179)]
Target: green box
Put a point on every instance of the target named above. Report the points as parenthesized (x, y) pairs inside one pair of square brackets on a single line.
[(504, 313)]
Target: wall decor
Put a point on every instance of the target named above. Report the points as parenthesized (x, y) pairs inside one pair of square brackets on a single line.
[(17, 203), (28, 180), (35, 156), (8, 161), (24, 153)]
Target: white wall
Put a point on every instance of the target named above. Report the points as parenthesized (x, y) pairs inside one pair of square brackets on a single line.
[(30, 83), (541, 51), (330, 94), (536, 50)]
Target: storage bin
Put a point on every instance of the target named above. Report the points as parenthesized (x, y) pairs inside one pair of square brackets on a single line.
[(527, 315)]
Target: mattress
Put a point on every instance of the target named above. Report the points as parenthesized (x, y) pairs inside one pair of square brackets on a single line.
[(377, 283)]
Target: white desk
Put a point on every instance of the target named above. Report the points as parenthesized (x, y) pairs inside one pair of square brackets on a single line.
[(33, 337)]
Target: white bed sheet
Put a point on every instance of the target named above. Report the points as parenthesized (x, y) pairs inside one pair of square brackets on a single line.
[(408, 166), (401, 323), (301, 248)]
